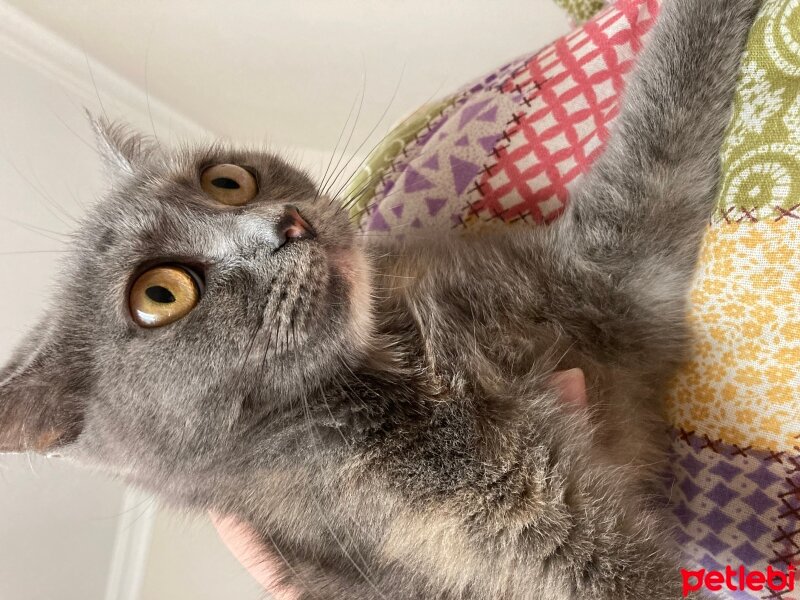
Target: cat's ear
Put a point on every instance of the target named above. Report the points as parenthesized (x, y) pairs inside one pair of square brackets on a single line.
[(571, 386), (123, 150), (41, 409)]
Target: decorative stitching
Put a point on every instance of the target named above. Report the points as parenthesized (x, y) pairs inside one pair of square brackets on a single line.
[(751, 215), (788, 542)]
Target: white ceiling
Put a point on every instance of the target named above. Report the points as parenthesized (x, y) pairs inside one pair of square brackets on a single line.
[(289, 71)]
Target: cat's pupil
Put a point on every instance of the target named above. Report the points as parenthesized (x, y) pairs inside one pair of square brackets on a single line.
[(159, 294), (225, 183)]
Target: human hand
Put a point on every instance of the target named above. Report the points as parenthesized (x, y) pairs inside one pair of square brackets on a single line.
[(242, 540)]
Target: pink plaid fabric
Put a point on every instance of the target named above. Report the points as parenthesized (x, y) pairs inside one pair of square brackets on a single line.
[(570, 94)]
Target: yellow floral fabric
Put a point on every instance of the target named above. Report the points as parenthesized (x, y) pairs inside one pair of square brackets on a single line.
[(741, 385)]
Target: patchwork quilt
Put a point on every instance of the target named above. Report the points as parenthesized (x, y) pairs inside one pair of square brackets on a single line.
[(508, 149)]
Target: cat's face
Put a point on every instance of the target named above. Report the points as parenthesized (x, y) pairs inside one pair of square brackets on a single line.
[(195, 304)]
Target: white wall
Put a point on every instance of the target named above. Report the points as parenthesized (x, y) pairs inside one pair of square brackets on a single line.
[(289, 70), (186, 561)]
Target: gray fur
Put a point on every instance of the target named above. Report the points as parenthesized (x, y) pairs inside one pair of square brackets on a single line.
[(383, 414)]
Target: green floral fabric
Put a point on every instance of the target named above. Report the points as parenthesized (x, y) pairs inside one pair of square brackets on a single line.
[(762, 153), (581, 10)]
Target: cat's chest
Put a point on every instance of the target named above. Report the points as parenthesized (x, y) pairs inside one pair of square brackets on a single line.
[(508, 348)]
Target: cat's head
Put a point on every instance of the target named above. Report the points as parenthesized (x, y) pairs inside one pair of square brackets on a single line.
[(209, 290)]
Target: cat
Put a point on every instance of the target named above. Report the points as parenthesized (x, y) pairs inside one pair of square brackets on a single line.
[(465, 418)]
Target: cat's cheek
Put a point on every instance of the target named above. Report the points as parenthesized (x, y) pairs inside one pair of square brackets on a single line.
[(354, 268)]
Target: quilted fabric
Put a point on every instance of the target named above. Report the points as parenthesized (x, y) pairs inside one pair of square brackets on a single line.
[(737, 403), (580, 10), (511, 146), (735, 505)]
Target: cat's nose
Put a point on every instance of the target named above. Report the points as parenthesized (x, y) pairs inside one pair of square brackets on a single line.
[(293, 227)]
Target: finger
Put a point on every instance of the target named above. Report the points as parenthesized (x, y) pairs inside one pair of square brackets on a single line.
[(243, 541)]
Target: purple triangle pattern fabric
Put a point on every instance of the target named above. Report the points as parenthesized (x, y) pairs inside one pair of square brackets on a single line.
[(436, 170)]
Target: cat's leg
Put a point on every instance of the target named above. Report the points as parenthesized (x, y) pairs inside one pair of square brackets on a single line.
[(629, 244), (633, 232)]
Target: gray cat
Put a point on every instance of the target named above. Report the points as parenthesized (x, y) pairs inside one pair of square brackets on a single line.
[(459, 419)]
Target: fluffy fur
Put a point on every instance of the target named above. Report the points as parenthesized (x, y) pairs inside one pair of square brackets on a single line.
[(384, 414)]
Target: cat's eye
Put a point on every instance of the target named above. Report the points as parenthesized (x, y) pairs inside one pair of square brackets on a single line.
[(229, 184), (163, 295)]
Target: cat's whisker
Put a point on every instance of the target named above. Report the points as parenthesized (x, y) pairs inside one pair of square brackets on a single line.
[(146, 505), (367, 209), (335, 148), (22, 443), (367, 138), (328, 183), (474, 327), (422, 234), (19, 252), (349, 201), (402, 123), (378, 288), (352, 199), (404, 224), (31, 467), (80, 138), (53, 202), (315, 437), (73, 194), (395, 276), (117, 515), (347, 442), (375, 203), (94, 84), (48, 202), (256, 420), (322, 514), (46, 233), (301, 582), (147, 86), (274, 331), (239, 378)]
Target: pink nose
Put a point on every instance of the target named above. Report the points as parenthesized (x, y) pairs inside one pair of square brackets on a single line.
[(294, 226)]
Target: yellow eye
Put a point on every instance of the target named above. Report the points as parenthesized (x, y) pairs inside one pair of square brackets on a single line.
[(229, 184), (162, 296)]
